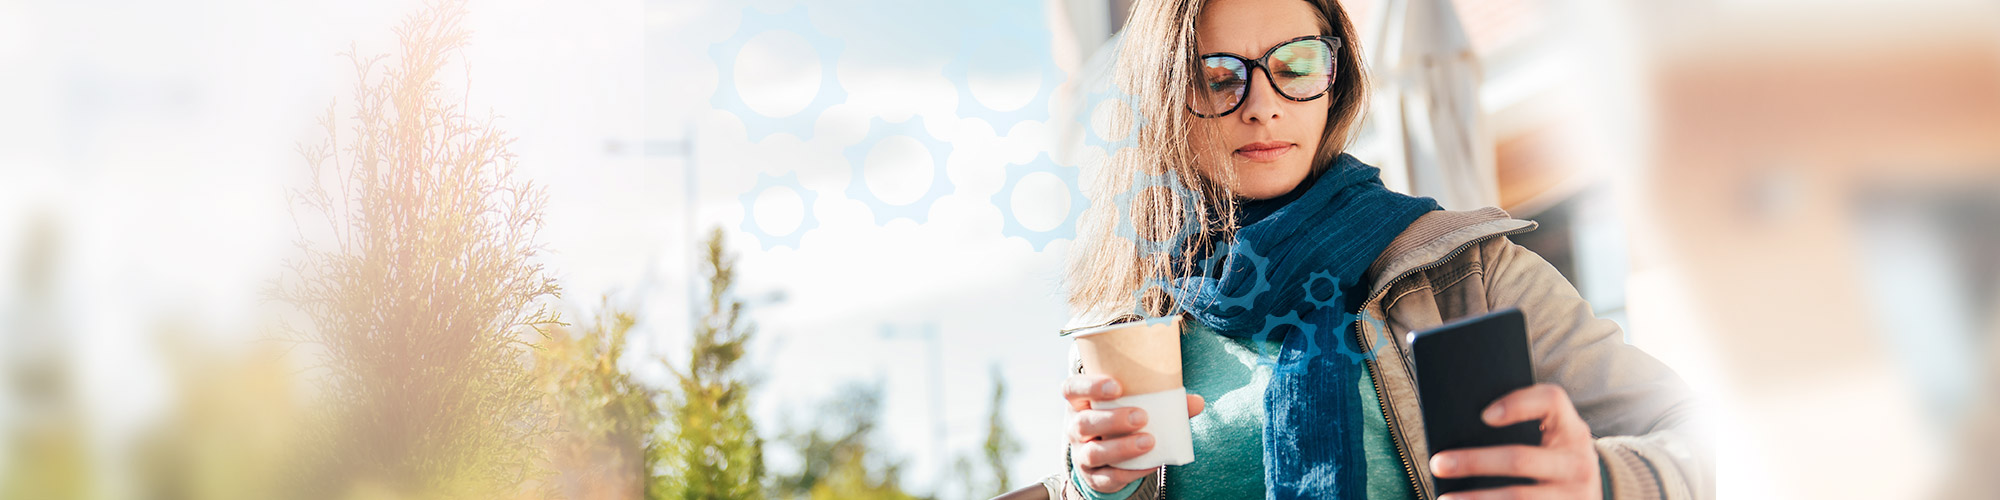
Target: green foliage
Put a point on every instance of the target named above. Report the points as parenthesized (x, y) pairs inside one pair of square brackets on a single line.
[(231, 432), (48, 461), (603, 420), (713, 451), (1000, 443), (999, 447), (838, 455)]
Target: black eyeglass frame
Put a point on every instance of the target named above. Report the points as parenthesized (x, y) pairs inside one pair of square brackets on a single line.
[(1333, 43)]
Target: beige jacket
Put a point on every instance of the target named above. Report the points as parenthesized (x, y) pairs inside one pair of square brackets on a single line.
[(1449, 265)]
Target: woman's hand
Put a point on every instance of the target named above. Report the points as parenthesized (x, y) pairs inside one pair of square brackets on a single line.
[(1099, 438), (1564, 466)]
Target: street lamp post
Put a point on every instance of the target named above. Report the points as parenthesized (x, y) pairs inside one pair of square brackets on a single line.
[(934, 342)]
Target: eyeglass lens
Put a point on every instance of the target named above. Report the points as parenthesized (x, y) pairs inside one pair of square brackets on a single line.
[(1299, 70)]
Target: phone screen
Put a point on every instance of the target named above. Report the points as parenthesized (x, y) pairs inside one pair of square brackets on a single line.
[(1461, 368)]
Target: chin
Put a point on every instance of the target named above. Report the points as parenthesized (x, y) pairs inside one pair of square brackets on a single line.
[(1268, 182)]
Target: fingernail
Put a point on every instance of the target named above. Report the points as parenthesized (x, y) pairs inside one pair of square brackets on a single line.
[(1441, 464), (1138, 417), (1106, 388), (1144, 441), (1492, 414)]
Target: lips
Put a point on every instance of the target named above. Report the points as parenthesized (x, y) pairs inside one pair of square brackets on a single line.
[(1265, 151)]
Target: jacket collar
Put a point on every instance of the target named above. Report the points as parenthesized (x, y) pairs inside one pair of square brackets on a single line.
[(1430, 240), (1436, 237)]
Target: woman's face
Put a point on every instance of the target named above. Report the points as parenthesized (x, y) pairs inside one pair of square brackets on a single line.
[(1269, 140)]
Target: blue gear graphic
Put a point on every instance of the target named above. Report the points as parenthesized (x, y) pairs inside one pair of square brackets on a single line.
[(756, 124), (857, 157), (1159, 320), (1248, 299), (1092, 136), (1106, 89), (1331, 300), (995, 43), (1140, 182), (1139, 296), (1272, 322), (1011, 225), (1359, 357), (807, 221)]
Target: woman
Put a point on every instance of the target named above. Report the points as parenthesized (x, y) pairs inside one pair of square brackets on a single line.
[(1238, 209)]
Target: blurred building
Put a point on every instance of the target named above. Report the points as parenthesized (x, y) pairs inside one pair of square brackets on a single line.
[(1827, 179), (1796, 204)]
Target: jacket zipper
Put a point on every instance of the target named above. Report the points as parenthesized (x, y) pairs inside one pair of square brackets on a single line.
[(1162, 476), (1375, 376)]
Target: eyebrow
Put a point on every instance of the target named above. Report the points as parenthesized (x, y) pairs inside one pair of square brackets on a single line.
[(1259, 52)]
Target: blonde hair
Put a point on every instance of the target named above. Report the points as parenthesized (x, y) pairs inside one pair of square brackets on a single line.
[(1109, 269)]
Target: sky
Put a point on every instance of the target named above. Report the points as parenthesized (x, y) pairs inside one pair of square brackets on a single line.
[(160, 140), (858, 293)]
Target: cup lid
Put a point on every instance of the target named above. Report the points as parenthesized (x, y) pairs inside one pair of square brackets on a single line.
[(1139, 322)]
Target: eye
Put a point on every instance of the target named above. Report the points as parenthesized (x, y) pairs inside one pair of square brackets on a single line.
[(1217, 80)]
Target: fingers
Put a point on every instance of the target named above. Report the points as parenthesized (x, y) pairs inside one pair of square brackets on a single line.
[(1548, 404), (1547, 465), (1082, 388), (1104, 452), (1089, 425), (1111, 479), (1564, 465), (1537, 402), (1531, 492), (1195, 404)]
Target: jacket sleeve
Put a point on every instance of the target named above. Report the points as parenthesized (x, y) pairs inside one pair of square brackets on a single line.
[(1650, 441)]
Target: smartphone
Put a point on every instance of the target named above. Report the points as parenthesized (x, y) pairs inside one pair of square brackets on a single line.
[(1462, 367)]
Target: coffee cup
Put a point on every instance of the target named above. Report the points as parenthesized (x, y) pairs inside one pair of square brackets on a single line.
[(1145, 358)]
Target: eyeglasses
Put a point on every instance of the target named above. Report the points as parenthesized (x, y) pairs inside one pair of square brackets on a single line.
[(1300, 69)]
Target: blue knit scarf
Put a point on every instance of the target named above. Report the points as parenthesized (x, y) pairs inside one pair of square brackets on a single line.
[(1294, 272)]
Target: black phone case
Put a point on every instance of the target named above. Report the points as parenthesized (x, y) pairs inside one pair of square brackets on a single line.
[(1461, 368)]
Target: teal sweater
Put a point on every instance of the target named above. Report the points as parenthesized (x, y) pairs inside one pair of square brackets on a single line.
[(1229, 433)]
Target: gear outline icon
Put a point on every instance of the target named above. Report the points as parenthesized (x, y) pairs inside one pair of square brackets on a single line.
[(973, 47), (1078, 202), (1220, 256), (756, 125), (1271, 323), (1096, 92), (1139, 301), (857, 157), (1331, 300), (807, 222), (1358, 357), (1095, 137), (1140, 182)]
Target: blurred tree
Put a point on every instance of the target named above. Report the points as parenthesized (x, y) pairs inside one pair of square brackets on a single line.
[(604, 421), (232, 429), (1000, 444), (712, 450), (967, 477), (837, 454), (48, 454), (419, 284), (999, 447)]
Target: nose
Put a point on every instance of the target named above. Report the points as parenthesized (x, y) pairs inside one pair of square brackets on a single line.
[(1260, 100)]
